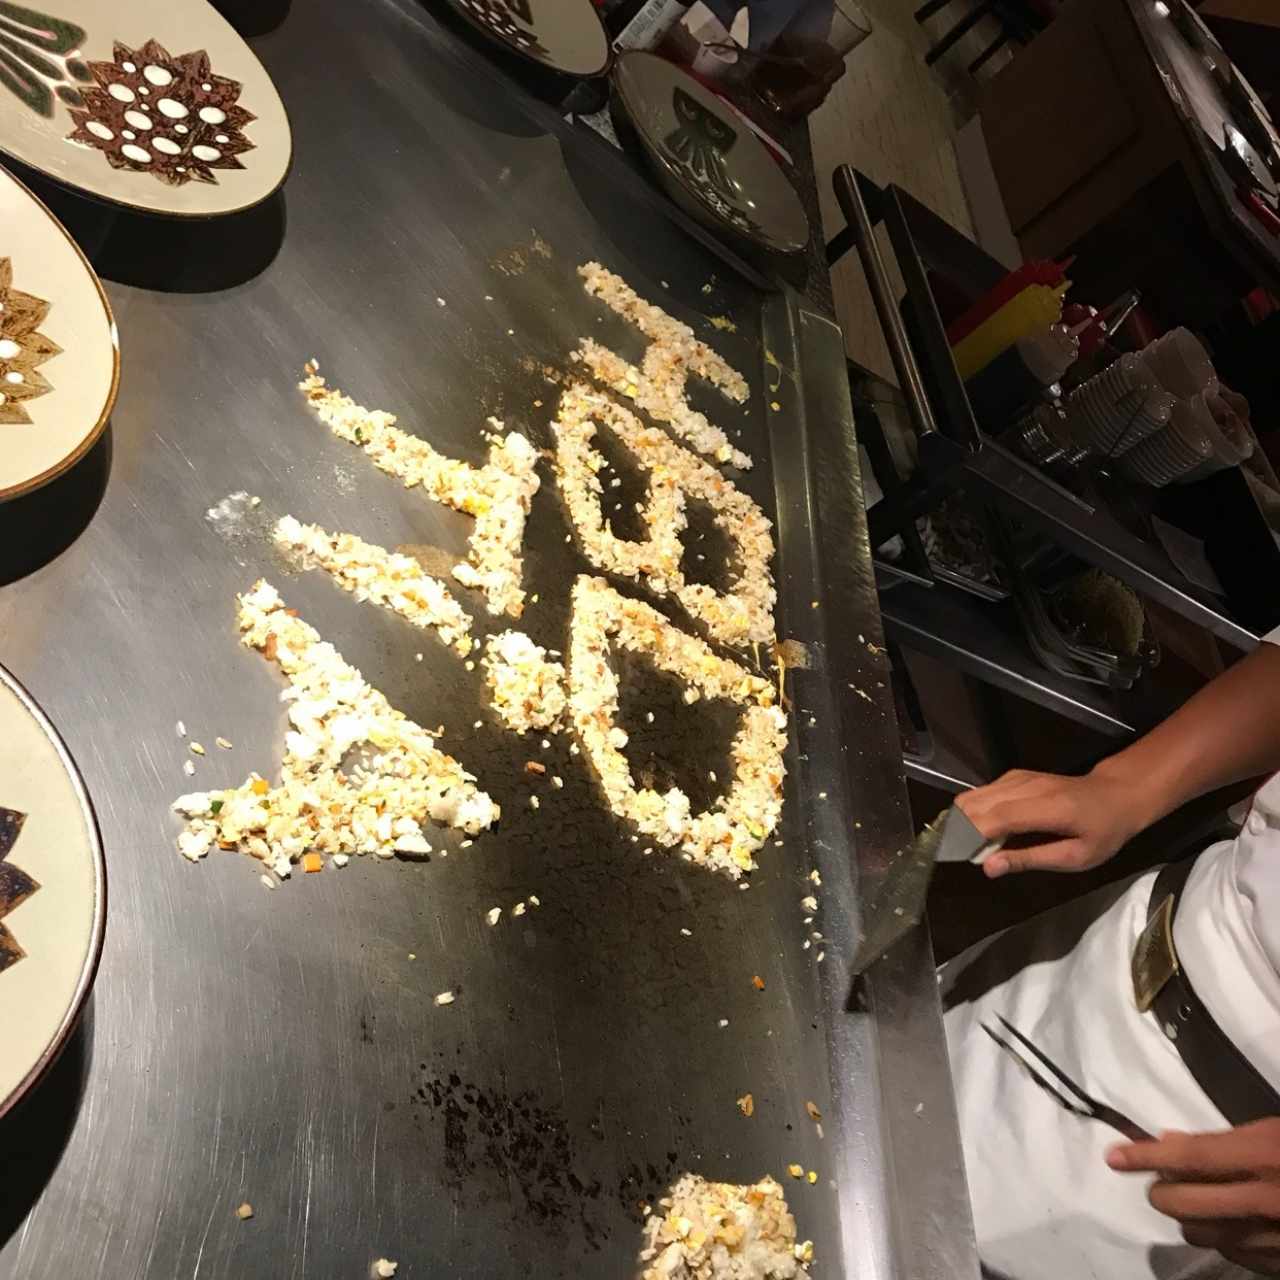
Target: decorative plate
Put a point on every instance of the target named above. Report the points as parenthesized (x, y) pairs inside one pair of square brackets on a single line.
[(52, 893), (709, 161), (565, 35), (59, 359), (154, 104)]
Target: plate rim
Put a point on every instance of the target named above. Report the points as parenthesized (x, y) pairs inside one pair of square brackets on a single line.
[(610, 58), (181, 215), (761, 239), (89, 971), (65, 464)]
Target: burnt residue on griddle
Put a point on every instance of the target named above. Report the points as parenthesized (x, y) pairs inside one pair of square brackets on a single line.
[(497, 1144), (641, 1185)]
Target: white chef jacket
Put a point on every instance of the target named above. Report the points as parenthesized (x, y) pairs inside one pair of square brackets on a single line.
[(1046, 1206)]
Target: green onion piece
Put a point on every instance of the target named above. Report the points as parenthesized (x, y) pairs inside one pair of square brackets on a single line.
[(215, 806)]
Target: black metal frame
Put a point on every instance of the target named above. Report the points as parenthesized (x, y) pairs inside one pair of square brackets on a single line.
[(953, 451)]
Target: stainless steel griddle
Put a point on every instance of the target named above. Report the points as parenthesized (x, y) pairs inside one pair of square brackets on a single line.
[(282, 1047)]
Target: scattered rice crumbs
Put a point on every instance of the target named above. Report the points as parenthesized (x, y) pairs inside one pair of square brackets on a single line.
[(440, 302), (196, 748), (557, 781), (340, 859), (466, 844), (919, 1110), (245, 1211), (747, 1105), (810, 903), (384, 1268), (686, 933), (814, 1114), (188, 768), (445, 997), (758, 982), (822, 795), (312, 862), (813, 604), (723, 323), (717, 1230), (267, 880), (181, 728), (413, 955), (795, 1170), (812, 1176), (534, 802), (378, 808), (724, 1022), (223, 743), (822, 955), (518, 909), (774, 405), (493, 915), (534, 900), (815, 877)]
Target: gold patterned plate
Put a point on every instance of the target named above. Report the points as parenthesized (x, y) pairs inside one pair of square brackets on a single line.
[(59, 359), (52, 893), (154, 104)]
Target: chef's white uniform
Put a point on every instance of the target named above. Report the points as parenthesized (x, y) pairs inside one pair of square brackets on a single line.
[(1046, 1206)]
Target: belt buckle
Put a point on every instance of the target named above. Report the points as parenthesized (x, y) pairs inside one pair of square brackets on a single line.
[(1154, 959)]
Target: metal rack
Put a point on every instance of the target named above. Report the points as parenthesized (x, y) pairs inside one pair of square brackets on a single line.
[(922, 613), (954, 452)]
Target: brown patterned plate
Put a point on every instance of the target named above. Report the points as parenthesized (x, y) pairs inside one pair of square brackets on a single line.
[(154, 104), (59, 360), (52, 893)]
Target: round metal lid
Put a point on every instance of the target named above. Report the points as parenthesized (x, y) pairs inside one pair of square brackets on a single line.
[(703, 149), (565, 35)]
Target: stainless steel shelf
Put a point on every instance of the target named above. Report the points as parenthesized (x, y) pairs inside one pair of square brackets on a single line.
[(959, 454), (985, 641)]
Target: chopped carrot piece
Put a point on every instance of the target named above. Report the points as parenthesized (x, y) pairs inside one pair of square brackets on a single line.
[(312, 862)]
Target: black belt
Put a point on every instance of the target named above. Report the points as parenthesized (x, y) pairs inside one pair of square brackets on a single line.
[(1232, 1083)]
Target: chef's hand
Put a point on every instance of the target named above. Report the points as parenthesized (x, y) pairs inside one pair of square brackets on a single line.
[(1058, 823), (1223, 1188)]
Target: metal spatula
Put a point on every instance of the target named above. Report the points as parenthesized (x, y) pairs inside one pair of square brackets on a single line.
[(898, 903)]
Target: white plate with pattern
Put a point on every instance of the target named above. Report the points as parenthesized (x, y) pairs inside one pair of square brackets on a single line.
[(154, 104), (53, 896), (59, 359)]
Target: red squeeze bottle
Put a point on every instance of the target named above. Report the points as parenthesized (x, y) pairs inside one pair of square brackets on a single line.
[(1038, 272)]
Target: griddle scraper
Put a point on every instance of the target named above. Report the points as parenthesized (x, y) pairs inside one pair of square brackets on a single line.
[(897, 905)]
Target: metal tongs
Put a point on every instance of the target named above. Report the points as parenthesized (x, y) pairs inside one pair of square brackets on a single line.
[(1060, 1086)]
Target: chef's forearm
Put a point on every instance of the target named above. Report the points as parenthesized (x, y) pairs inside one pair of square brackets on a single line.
[(1227, 732)]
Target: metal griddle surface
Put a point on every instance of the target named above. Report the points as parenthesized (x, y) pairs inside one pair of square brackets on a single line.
[(282, 1047)]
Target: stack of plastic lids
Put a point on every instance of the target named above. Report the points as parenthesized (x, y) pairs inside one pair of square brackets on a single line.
[(1028, 300)]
